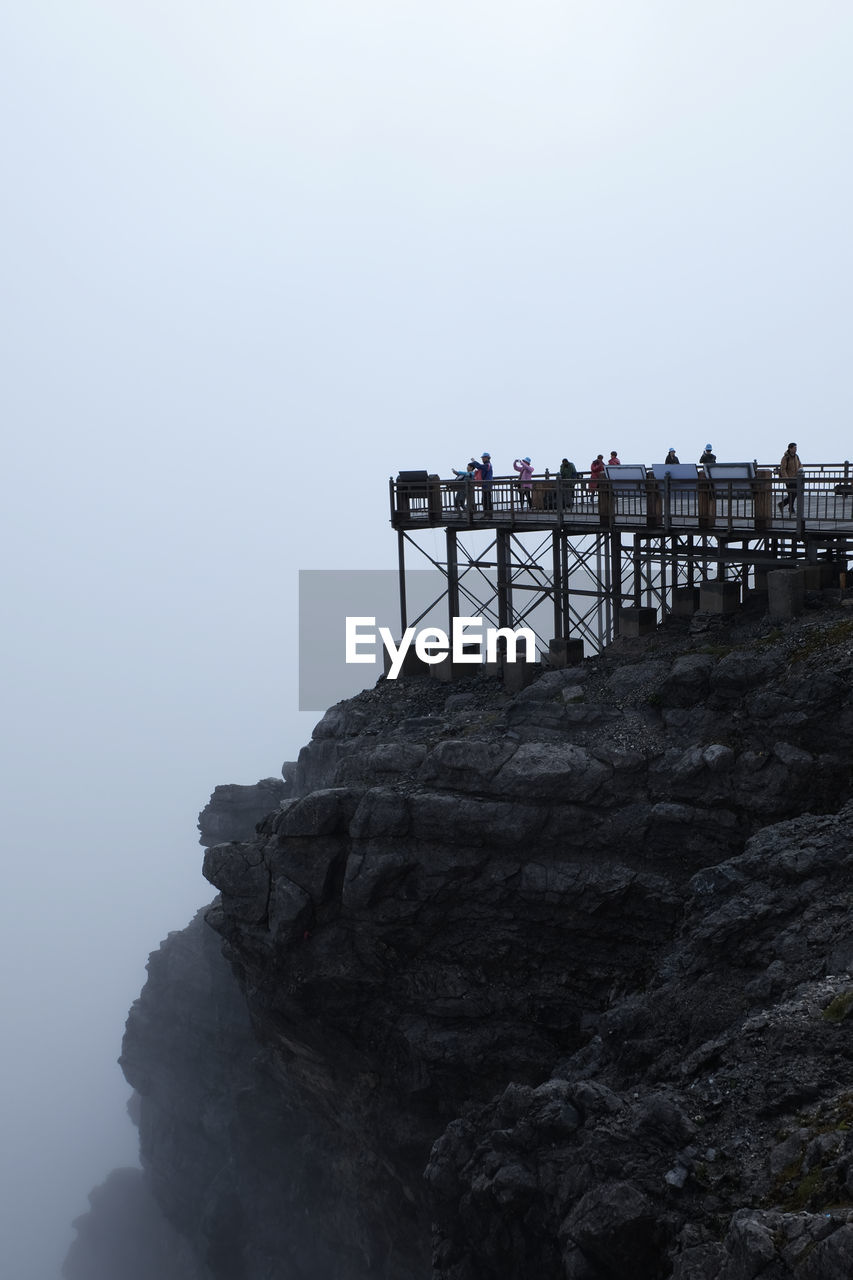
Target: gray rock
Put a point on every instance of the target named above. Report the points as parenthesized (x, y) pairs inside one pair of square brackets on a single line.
[(627, 680), (460, 702), (398, 758), (687, 681), (243, 878), (126, 1234), (553, 771), (465, 765), (615, 1225), (233, 811), (381, 812), (738, 673), (342, 720), (318, 814)]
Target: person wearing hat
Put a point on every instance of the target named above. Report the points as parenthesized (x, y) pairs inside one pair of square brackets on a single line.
[(671, 459), (708, 455), (484, 466), (525, 471)]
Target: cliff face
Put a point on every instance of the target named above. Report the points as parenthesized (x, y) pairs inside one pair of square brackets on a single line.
[(240, 1167), (125, 1236), (550, 985)]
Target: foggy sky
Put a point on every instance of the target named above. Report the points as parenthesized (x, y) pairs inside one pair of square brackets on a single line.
[(258, 257)]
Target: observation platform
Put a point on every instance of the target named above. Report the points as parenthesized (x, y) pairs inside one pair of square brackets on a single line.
[(728, 500), (631, 540)]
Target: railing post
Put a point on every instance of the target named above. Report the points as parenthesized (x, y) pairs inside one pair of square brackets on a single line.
[(557, 494), (667, 498), (801, 498), (730, 521)]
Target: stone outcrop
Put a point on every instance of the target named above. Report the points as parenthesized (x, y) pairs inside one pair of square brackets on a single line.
[(553, 984), (125, 1236), (242, 1170), (233, 812)]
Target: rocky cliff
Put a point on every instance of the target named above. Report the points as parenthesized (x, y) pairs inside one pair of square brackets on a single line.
[(552, 985)]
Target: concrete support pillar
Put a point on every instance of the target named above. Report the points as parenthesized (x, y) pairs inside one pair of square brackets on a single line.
[(685, 601), (818, 576), (518, 675), (719, 596), (637, 622), (786, 590), (447, 670), (770, 566), (412, 665), (563, 652)]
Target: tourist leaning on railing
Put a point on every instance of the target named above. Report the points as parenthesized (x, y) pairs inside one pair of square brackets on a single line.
[(464, 497), (568, 480)]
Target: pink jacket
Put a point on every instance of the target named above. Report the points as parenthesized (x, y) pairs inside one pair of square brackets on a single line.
[(596, 469), (525, 471)]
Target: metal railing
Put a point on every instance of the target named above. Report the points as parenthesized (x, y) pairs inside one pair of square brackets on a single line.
[(821, 498)]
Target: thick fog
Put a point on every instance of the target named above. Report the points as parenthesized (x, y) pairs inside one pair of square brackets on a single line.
[(258, 257)]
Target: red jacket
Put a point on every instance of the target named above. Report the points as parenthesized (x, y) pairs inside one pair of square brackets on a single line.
[(596, 468)]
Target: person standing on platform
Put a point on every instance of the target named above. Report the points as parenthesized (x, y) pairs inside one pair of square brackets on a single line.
[(484, 466), (525, 484), (707, 456), (789, 468), (596, 471), (671, 459), (464, 499), (568, 479), (613, 460)]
